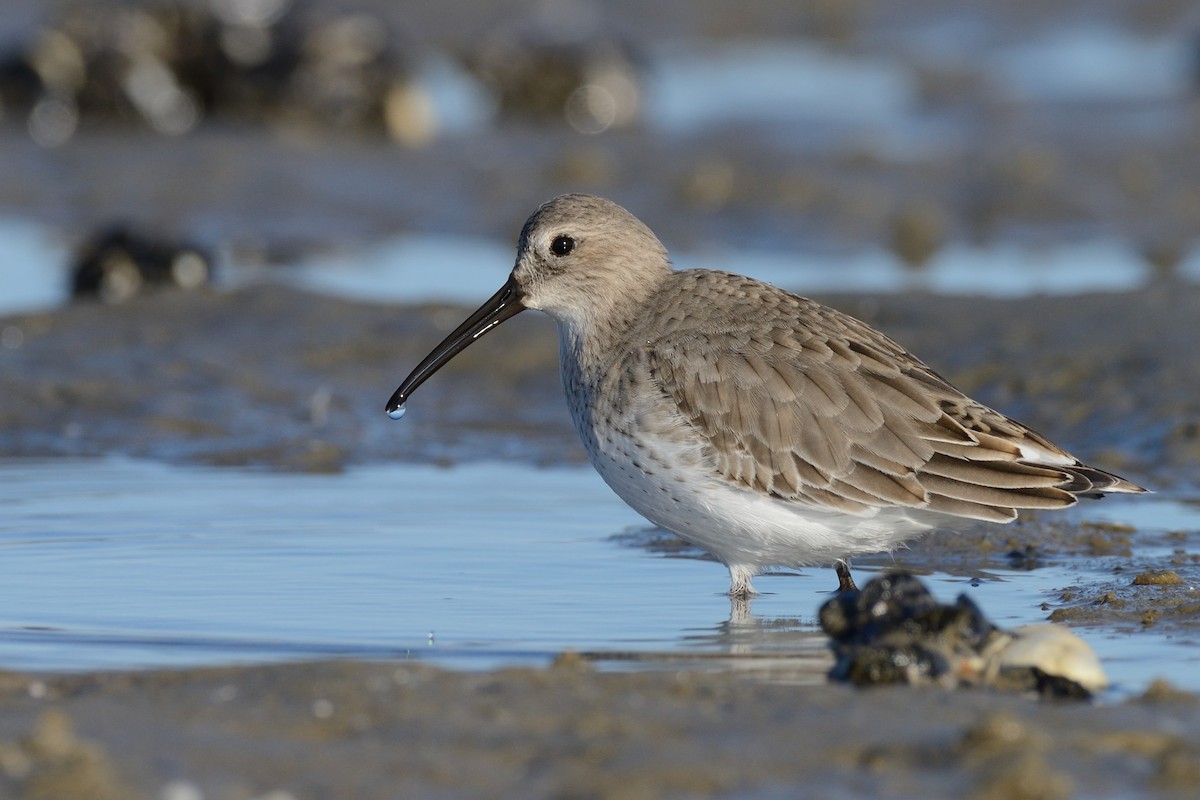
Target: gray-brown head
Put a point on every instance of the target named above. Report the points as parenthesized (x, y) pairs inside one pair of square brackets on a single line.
[(578, 258)]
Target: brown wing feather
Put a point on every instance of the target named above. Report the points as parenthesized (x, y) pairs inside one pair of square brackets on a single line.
[(828, 410)]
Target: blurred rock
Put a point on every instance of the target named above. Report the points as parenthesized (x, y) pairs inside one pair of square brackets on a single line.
[(709, 184), (118, 263), (1024, 558), (586, 165), (894, 631), (50, 762), (1158, 577), (918, 231), (347, 69), (409, 115), (1050, 658), (171, 64), (560, 68), (1164, 255), (1139, 174)]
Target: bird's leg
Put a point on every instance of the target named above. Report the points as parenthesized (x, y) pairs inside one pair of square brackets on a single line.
[(739, 582), (845, 579)]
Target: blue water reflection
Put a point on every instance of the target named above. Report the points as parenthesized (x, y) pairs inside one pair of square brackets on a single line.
[(116, 563)]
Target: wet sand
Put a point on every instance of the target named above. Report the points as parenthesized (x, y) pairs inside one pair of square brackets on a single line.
[(361, 731), (273, 377)]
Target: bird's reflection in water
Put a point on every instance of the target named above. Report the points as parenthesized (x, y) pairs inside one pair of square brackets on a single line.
[(786, 648)]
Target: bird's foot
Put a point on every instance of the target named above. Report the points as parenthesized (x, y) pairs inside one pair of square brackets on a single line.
[(740, 587)]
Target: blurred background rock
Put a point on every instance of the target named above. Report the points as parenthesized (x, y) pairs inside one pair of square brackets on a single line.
[(263, 129)]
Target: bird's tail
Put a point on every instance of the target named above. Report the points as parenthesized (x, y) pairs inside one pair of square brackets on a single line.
[(1092, 482)]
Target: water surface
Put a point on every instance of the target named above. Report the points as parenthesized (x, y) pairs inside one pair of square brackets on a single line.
[(115, 563)]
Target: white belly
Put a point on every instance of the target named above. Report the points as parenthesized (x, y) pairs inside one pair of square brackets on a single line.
[(673, 488)]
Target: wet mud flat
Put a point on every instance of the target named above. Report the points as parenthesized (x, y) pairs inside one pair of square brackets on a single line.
[(360, 730), (286, 380), (273, 377), (277, 379)]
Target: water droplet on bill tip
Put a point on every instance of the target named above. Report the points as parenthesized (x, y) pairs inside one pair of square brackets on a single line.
[(397, 412)]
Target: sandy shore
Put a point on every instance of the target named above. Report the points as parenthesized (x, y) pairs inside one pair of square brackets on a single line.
[(362, 731)]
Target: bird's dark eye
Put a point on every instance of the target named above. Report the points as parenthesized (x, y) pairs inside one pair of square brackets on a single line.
[(562, 245)]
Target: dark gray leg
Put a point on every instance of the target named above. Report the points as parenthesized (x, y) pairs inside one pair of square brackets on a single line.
[(845, 579)]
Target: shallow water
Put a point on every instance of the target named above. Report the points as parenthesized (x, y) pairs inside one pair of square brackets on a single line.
[(115, 563), (33, 263), (1096, 62)]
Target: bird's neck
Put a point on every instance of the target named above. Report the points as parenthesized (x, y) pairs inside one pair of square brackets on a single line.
[(594, 336)]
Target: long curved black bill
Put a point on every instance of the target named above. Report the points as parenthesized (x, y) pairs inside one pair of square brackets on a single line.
[(499, 307)]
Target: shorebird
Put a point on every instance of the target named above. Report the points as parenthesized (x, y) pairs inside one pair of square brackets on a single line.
[(763, 427)]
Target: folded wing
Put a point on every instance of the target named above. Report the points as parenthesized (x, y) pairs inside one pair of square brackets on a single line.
[(827, 410)]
